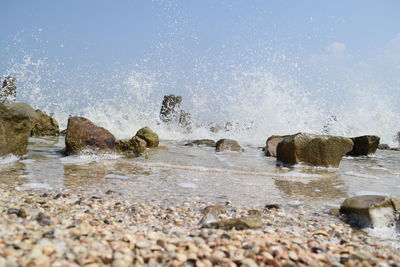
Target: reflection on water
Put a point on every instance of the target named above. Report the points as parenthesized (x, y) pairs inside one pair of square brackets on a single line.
[(177, 173)]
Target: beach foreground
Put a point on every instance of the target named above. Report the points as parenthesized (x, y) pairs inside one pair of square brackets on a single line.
[(76, 227)]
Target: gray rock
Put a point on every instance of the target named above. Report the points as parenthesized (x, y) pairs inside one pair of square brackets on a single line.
[(8, 92), (170, 108), (227, 144), (185, 120), (383, 147), (364, 145), (370, 210), (314, 150)]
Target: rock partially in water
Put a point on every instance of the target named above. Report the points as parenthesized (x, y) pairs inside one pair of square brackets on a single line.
[(185, 120), (8, 91), (134, 145), (149, 136), (271, 145), (253, 221), (383, 147), (364, 145), (227, 144), (45, 125), (314, 150), (170, 108), (84, 134), (202, 142), (370, 210), (15, 128)]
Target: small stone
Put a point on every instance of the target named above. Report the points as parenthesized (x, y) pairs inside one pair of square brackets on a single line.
[(249, 263)]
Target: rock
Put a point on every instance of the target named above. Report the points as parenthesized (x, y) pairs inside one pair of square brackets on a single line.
[(84, 134), (383, 147), (170, 108), (227, 144), (149, 136), (15, 129), (314, 150), (211, 213), (271, 144), (364, 145), (134, 145), (45, 125), (370, 210), (185, 120), (246, 222), (202, 142), (8, 92)]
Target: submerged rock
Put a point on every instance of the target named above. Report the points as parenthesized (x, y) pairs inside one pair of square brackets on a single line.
[(8, 91), (15, 129), (45, 125), (84, 134), (364, 145), (383, 147), (227, 144), (134, 145), (170, 108), (314, 150), (149, 136), (202, 142), (253, 221), (370, 210), (271, 145)]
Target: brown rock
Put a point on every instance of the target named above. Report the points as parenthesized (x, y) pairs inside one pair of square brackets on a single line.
[(314, 150), (202, 142), (364, 145), (272, 143), (45, 125), (83, 134), (227, 144), (134, 145)]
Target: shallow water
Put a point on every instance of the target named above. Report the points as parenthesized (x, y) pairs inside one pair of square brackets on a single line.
[(174, 173)]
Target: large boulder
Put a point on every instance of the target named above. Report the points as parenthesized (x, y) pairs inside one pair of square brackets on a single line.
[(170, 108), (8, 91), (370, 210), (149, 136), (15, 129), (314, 150), (83, 134), (227, 144), (364, 145), (271, 145), (44, 125), (134, 145)]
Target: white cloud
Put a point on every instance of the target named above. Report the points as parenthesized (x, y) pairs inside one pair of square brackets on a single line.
[(337, 49)]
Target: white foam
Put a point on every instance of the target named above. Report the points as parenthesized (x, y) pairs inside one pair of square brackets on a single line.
[(87, 158), (116, 176), (187, 185), (8, 159), (362, 175)]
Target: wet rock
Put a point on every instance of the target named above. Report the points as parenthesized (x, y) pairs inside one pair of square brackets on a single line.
[(44, 125), (84, 134), (15, 128), (185, 120), (211, 213), (272, 206), (272, 143), (8, 91), (242, 223), (227, 144), (314, 150), (21, 212), (134, 145), (370, 210), (43, 219), (170, 107), (364, 145), (149, 136), (202, 142), (383, 146)]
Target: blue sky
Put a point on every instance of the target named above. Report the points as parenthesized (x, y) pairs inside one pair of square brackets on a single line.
[(319, 44)]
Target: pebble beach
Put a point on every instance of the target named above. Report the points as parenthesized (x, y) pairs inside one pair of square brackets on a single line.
[(79, 228)]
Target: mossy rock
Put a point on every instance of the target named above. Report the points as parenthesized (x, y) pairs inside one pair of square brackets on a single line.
[(149, 136), (134, 145)]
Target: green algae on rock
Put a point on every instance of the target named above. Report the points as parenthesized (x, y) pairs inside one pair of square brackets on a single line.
[(149, 136)]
